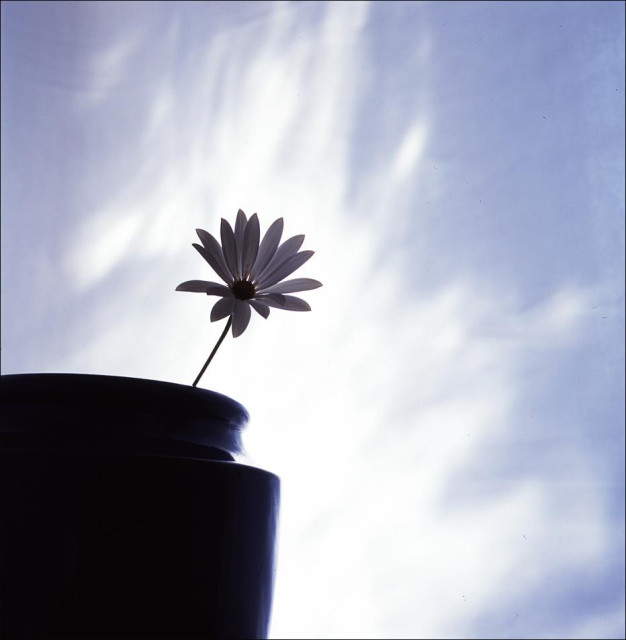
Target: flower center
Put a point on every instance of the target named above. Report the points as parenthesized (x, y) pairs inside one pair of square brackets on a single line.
[(243, 289)]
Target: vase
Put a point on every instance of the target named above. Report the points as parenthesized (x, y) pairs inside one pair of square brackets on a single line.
[(127, 512)]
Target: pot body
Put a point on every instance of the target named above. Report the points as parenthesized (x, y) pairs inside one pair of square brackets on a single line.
[(125, 515)]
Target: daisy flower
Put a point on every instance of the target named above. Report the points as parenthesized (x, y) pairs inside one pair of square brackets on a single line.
[(253, 272)]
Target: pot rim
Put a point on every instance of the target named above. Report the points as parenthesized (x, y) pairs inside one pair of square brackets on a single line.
[(104, 411)]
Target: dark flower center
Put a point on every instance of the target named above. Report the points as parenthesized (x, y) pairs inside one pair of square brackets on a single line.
[(243, 289)]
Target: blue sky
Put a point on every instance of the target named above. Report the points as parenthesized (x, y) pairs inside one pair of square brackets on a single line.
[(448, 422)]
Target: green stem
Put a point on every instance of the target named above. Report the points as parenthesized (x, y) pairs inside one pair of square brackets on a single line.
[(215, 348)]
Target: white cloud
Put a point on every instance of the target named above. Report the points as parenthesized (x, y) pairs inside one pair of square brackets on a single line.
[(371, 407), (106, 69), (104, 241)]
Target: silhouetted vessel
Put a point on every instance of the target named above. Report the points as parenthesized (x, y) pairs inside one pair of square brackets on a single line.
[(125, 513)]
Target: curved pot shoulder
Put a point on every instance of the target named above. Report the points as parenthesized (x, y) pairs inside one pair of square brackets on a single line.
[(120, 413)]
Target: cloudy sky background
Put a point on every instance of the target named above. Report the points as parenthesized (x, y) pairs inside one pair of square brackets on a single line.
[(448, 422)]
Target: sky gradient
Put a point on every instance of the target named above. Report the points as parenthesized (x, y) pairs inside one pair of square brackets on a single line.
[(448, 421)]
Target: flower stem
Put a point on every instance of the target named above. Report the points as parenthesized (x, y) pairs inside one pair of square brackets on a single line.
[(215, 348)]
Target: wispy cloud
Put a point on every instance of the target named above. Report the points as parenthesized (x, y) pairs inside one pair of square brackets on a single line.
[(430, 485)]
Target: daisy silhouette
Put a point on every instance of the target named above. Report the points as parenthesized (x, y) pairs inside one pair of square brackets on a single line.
[(253, 273)]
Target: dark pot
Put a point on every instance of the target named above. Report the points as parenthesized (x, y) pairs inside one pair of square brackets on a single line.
[(125, 515)]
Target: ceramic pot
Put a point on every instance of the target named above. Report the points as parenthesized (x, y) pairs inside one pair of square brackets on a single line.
[(127, 513)]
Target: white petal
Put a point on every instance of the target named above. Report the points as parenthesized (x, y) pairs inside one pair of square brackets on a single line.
[(204, 286), (260, 307), (215, 289), (212, 262), (268, 247), (229, 247), (240, 227), (284, 269), (292, 303), (250, 245), (286, 250), (241, 317), (289, 286), (240, 222), (215, 253), (197, 286), (222, 308), (275, 300)]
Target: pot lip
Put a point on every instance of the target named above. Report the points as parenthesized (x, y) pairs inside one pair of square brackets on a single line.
[(158, 409), (15, 384)]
